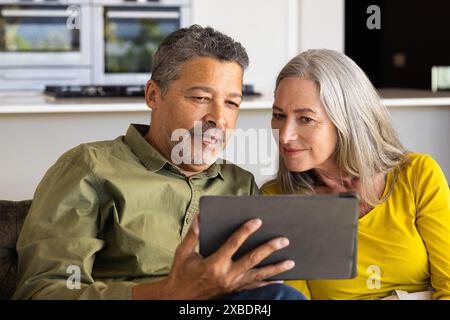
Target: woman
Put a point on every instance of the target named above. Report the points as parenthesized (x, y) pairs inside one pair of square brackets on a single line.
[(335, 136)]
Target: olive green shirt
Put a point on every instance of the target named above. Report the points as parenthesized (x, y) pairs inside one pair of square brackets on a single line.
[(112, 212)]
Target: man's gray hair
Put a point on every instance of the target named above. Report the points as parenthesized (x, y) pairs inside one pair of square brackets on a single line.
[(187, 43)]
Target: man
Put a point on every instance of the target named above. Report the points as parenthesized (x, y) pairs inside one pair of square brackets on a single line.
[(117, 219)]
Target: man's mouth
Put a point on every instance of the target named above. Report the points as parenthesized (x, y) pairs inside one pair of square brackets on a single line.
[(212, 138), (211, 142)]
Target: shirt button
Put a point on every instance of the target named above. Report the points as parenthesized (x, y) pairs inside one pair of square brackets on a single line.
[(188, 219)]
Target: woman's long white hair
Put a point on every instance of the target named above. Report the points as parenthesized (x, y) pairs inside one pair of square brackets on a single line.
[(367, 144)]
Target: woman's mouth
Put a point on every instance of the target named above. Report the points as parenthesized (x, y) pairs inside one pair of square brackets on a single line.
[(289, 152)]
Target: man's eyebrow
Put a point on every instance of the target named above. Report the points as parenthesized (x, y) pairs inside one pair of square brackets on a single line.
[(202, 88), (235, 95), (277, 108), (211, 90), (298, 110)]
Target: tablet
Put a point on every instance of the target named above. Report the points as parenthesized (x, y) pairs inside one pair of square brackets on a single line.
[(322, 231)]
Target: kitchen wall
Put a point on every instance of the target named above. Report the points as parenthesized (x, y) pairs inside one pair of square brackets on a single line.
[(31, 143), (273, 31)]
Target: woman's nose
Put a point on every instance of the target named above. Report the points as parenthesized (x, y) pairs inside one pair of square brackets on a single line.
[(287, 133)]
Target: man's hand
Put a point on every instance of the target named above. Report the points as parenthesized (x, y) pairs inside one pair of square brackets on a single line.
[(195, 277)]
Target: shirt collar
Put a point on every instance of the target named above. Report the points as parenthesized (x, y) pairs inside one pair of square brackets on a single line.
[(151, 158), (148, 155)]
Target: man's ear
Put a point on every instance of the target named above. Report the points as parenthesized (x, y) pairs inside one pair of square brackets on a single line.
[(152, 94)]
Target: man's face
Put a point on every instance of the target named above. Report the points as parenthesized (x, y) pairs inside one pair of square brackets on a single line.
[(204, 103)]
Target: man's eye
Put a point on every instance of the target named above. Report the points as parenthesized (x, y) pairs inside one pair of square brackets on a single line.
[(200, 99), (278, 116), (233, 104)]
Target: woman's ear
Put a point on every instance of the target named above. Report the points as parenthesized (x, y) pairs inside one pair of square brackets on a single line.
[(152, 92)]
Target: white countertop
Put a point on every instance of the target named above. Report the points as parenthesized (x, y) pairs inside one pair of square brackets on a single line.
[(16, 102), (35, 102)]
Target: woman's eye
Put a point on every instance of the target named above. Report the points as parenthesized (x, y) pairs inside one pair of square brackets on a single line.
[(306, 120), (277, 116)]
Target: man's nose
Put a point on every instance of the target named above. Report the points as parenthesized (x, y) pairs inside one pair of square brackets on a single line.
[(216, 116), (288, 133)]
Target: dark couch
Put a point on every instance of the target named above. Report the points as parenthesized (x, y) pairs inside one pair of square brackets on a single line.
[(12, 215)]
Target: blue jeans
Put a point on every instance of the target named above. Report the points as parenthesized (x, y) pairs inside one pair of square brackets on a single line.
[(276, 291)]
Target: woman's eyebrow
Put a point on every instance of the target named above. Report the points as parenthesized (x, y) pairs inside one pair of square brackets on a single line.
[(298, 110), (304, 110)]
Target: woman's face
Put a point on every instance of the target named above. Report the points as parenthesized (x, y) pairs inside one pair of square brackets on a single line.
[(307, 137)]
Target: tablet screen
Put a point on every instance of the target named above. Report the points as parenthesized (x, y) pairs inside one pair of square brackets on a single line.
[(322, 230)]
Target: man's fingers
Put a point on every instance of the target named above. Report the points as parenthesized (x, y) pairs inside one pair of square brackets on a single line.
[(235, 241), (255, 256), (259, 274), (191, 239), (257, 285)]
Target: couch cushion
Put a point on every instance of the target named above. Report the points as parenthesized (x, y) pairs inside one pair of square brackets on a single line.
[(12, 215)]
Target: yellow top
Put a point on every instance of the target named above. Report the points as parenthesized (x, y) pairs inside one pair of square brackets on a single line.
[(403, 243)]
